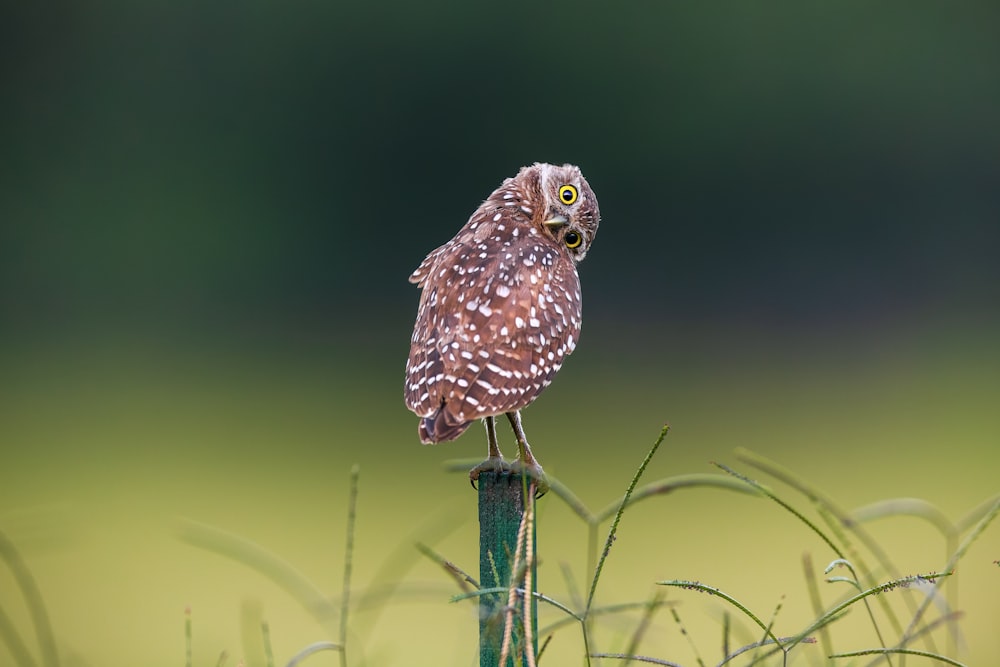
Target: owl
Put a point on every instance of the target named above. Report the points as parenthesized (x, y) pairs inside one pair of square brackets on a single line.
[(500, 309)]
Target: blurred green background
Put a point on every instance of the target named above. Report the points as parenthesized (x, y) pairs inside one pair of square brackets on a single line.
[(208, 212)]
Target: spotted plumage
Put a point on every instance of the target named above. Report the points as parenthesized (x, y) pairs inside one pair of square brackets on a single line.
[(500, 304)]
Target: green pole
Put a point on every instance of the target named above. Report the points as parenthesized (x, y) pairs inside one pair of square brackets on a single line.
[(501, 508)]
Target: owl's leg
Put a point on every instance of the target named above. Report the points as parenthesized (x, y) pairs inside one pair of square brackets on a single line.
[(527, 464), (494, 459), (491, 436)]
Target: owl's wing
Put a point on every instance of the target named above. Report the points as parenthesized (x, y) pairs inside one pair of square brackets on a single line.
[(498, 314), (420, 274)]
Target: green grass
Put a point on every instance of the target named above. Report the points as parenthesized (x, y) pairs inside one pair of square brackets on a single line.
[(920, 623)]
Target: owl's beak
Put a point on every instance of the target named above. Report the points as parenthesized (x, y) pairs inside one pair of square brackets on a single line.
[(555, 222)]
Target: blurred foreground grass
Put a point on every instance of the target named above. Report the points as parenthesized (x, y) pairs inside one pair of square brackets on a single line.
[(109, 446)]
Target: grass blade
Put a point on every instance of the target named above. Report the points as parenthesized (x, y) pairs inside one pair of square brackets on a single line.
[(711, 590), (900, 651), (311, 649), (670, 484), (352, 510), (618, 516), (635, 658), (797, 514), (33, 599), (260, 559)]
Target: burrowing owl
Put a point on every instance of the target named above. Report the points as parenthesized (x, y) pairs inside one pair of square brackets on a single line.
[(500, 308)]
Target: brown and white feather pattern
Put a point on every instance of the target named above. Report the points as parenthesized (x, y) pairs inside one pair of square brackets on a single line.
[(500, 307)]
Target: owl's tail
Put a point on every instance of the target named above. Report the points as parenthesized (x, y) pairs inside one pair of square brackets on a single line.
[(437, 428)]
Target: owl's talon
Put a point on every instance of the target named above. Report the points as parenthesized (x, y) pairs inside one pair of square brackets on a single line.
[(499, 466), (493, 464), (534, 472)]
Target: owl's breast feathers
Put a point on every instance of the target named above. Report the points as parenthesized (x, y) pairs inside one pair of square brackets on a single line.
[(498, 313)]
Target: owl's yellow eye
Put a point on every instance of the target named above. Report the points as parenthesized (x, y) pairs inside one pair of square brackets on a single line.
[(572, 239), (568, 195)]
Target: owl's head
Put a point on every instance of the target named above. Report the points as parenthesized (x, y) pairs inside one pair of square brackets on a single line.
[(569, 212)]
